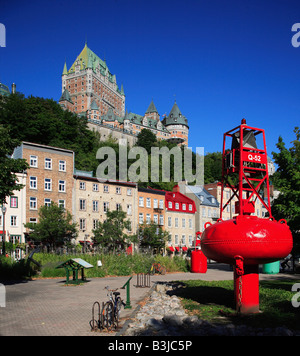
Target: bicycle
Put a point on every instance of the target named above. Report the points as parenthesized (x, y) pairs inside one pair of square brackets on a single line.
[(112, 309), (157, 267)]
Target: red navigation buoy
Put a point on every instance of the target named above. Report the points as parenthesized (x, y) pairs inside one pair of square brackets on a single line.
[(246, 240)]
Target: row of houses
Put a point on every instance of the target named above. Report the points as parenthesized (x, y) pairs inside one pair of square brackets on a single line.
[(52, 177)]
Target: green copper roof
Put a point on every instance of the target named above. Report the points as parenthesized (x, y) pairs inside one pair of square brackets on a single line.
[(66, 96), (175, 117), (151, 108), (65, 71), (94, 106), (88, 59)]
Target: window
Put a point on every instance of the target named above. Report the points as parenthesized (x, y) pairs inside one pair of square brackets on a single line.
[(155, 203), (48, 184), (190, 223), (118, 207), (62, 203), (129, 191), (170, 205), (183, 206), (155, 218), (33, 182), (82, 224), (95, 223), (176, 222), (148, 202), (33, 220), (105, 206), (148, 219), (32, 203), (190, 207), (183, 239), (204, 212), (176, 239), (161, 219), (169, 221), (118, 190), (95, 187), (47, 202), (33, 162), (13, 202), (183, 222), (177, 206), (61, 186), (13, 220), (190, 240), (141, 218), (129, 209), (81, 204), (62, 166), (105, 189), (48, 163), (161, 204), (95, 206), (141, 201), (82, 185)]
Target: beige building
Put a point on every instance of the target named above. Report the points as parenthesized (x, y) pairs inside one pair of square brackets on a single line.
[(49, 177), (208, 208), (92, 199)]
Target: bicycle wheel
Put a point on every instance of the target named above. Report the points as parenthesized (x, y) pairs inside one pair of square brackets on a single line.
[(163, 270), (108, 315), (118, 306)]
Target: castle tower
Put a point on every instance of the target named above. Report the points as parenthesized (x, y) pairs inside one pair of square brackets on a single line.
[(152, 112), (177, 125), (89, 82)]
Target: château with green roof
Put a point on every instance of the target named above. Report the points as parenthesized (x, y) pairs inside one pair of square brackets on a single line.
[(90, 89)]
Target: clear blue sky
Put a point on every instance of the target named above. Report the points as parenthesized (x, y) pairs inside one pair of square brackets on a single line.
[(223, 60)]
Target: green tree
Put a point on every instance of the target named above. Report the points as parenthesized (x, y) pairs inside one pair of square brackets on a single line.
[(55, 227), (212, 167), (111, 233), (9, 166), (153, 236), (147, 139), (287, 180)]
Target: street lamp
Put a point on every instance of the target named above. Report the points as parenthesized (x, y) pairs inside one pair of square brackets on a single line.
[(3, 236)]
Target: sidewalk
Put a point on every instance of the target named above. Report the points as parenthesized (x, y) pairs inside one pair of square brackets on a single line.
[(48, 307)]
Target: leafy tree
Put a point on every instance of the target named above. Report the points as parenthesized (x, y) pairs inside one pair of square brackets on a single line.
[(9, 166), (55, 226), (146, 139), (110, 233), (153, 236), (287, 180), (212, 167)]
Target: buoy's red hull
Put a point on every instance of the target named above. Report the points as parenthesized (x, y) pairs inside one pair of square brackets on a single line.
[(257, 240)]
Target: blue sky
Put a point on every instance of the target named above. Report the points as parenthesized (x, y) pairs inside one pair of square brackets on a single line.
[(221, 60)]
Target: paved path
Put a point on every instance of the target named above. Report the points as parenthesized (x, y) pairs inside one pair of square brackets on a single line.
[(48, 307)]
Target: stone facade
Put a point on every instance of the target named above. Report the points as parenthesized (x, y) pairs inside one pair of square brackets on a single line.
[(92, 199)]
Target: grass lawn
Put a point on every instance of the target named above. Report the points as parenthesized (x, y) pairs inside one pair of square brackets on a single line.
[(214, 302)]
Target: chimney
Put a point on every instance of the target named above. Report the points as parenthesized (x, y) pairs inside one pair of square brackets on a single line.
[(176, 189)]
